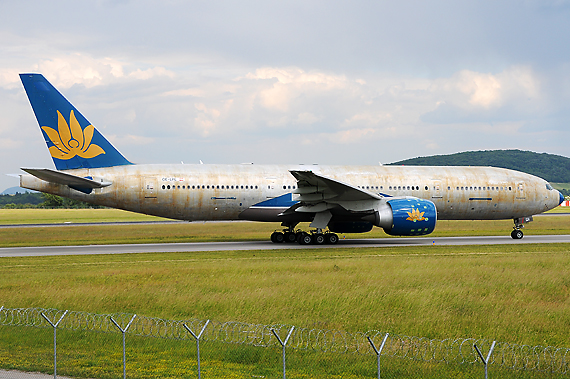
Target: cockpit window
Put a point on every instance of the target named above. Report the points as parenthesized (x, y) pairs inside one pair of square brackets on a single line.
[(549, 187)]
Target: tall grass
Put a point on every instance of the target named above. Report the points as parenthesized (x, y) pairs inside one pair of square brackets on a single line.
[(517, 293)]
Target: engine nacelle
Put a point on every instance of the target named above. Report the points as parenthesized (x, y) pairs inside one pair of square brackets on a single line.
[(408, 216), (411, 217)]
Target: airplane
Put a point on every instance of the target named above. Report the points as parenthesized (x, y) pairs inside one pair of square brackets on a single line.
[(403, 200)]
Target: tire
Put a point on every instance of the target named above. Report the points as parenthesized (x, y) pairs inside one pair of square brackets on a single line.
[(304, 239), (517, 234), (332, 238), (290, 237), (277, 237), (319, 239)]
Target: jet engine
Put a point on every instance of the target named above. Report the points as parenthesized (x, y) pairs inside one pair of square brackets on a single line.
[(408, 216)]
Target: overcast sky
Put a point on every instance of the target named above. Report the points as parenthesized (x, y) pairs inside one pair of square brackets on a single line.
[(328, 82)]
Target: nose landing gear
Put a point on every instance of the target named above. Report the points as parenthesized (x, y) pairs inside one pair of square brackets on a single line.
[(517, 233)]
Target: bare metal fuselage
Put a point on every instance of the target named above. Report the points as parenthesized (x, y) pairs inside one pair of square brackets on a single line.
[(223, 192)]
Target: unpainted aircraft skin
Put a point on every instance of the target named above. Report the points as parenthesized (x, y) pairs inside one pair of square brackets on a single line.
[(166, 190)]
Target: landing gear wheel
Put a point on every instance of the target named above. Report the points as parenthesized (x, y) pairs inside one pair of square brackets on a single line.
[(290, 237), (319, 239), (517, 234), (304, 239), (277, 237), (331, 238)]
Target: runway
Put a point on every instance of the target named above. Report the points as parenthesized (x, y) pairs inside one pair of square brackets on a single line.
[(267, 245)]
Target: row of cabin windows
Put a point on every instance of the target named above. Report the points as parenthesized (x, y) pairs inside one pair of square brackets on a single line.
[(417, 188), (475, 188), (168, 186), (399, 188)]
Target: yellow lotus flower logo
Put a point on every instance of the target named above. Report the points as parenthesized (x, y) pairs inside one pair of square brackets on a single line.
[(70, 140), (416, 215)]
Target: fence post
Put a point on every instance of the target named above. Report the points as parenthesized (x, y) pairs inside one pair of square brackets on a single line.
[(124, 352), (378, 351), (485, 361), (197, 337), (283, 344), (54, 340)]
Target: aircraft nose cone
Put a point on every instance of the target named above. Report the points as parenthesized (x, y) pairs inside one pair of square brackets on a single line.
[(561, 198)]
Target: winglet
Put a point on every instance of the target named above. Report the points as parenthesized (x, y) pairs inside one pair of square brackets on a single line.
[(71, 139)]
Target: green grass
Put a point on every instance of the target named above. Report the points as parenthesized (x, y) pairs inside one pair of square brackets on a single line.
[(95, 355), (496, 292), (514, 293), (211, 231), (510, 293), (58, 216)]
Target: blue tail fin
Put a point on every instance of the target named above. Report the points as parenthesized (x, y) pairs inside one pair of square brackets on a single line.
[(72, 141)]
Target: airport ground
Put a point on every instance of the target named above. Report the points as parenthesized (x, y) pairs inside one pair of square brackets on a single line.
[(511, 292)]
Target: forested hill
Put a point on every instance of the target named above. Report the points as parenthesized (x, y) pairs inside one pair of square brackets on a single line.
[(553, 168)]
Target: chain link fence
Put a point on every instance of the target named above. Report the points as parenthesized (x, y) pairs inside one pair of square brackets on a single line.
[(207, 348)]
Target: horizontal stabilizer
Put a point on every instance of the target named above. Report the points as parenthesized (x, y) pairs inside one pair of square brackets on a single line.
[(65, 179)]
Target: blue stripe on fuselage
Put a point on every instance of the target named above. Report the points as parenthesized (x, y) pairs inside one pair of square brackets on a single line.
[(283, 201)]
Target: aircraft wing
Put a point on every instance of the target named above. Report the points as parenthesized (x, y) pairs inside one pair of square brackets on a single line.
[(313, 188), (65, 179)]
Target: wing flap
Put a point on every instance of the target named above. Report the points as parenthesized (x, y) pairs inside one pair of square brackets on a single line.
[(314, 188)]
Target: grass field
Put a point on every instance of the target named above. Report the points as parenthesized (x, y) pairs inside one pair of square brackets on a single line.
[(208, 231), (511, 293), (58, 216), (516, 293)]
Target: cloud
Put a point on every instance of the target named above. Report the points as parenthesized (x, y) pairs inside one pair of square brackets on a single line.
[(287, 84), (351, 136), (473, 96), (67, 70)]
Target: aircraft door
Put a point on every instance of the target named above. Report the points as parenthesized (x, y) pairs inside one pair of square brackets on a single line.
[(436, 194), (520, 191), (271, 182), (149, 187)]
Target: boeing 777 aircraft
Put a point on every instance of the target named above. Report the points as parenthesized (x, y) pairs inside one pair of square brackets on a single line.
[(403, 200)]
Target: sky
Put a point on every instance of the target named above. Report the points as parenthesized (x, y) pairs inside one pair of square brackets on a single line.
[(327, 82)]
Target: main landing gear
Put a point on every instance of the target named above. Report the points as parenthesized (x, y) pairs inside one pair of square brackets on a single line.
[(316, 237)]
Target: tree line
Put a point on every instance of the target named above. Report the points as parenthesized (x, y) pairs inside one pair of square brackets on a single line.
[(550, 167), (41, 200), (553, 168)]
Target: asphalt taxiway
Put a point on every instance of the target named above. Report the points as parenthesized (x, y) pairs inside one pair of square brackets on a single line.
[(267, 245)]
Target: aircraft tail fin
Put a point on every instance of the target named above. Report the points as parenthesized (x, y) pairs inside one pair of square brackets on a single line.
[(71, 139)]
